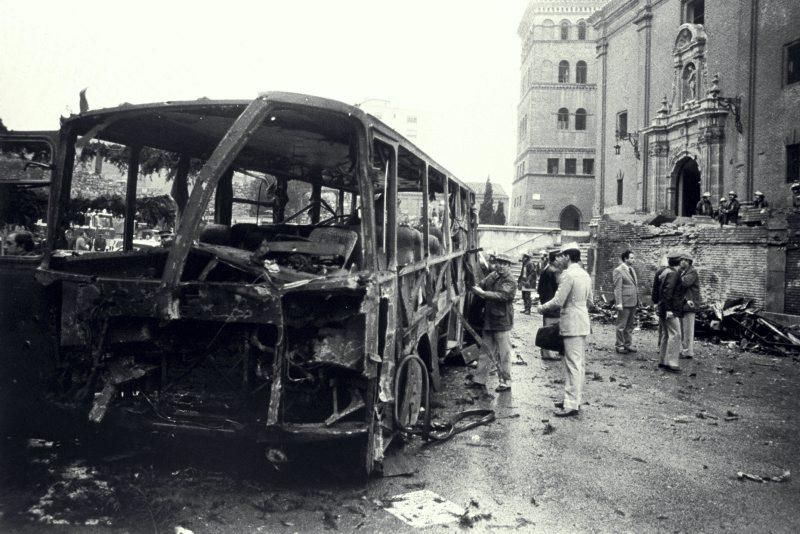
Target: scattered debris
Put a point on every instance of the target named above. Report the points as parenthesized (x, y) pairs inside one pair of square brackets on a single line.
[(705, 415), (742, 323), (783, 477), (548, 429), (596, 377), (181, 530), (681, 419), (731, 416)]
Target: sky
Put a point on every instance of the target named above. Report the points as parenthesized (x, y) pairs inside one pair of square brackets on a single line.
[(456, 61)]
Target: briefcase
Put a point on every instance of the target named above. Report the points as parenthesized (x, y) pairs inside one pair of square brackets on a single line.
[(549, 338)]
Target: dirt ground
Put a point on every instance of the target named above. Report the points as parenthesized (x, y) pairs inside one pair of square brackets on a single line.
[(649, 452)]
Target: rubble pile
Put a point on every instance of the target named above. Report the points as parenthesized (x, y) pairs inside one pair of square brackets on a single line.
[(605, 313)]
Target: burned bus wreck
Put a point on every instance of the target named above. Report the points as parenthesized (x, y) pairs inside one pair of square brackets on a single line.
[(326, 323)]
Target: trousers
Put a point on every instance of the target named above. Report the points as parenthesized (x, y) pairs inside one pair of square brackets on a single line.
[(626, 320), (498, 344), (574, 370), (687, 334), (669, 341)]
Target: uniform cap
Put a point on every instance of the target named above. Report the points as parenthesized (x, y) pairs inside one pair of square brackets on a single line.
[(796, 185), (733, 193), (503, 257), (675, 255), (759, 194), (706, 194), (570, 246), (722, 199)]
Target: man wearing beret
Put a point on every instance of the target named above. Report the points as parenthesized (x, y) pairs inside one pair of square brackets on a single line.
[(572, 297), (497, 289)]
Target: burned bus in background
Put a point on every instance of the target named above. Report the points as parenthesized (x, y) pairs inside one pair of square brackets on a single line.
[(325, 323)]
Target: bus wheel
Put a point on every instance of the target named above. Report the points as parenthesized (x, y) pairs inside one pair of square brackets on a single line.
[(409, 385)]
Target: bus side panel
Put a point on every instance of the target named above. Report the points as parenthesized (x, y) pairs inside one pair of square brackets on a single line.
[(28, 347)]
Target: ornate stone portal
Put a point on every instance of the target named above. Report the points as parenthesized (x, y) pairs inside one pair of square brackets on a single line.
[(687, 136)]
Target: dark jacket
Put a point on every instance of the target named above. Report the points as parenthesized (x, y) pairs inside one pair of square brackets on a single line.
[(658, 279), (732, 210), (548, 285), (670, 294), (704, 207), (690, 288), (498, 314), (528, 274)]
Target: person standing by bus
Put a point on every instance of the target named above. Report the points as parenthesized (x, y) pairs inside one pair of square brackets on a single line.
[(547, 286), (497, 289), (573, 297)]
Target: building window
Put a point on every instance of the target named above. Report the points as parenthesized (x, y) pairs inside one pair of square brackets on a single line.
[(548, 28), (523, 128), (792, 163), (622, 123), (580, 119), (411, 119), (695, 11), (552, 165), (563, 119), (580, 72), (563, 72), (619, 191), (588, 166), (793, 62), (564, 30), (570, 166), (582, 30)]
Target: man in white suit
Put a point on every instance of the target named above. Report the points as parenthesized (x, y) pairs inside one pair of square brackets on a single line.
[(626, 298), (574, 293)]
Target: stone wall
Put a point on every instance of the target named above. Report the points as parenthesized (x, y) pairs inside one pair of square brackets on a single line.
[(731, 261)]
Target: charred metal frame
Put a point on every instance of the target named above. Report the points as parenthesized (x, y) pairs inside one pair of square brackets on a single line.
[(386, 310)]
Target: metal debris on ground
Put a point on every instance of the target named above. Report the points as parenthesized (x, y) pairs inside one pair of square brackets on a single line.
[(783, 477), (548, 429), (604, 312), (744, 326)]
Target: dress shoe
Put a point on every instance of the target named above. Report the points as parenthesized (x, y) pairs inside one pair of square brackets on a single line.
[(671, 369), (623, 351), (566, 413), (474, 385), (686, 356), (559, 404), (503, 386), (631, 349)]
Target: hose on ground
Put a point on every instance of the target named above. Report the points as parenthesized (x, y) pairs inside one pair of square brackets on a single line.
[(438, 431)]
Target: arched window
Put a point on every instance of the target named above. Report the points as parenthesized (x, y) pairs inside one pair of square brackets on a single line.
[(547, 29), (563, 72), (582, 30), (580, 119), (564, 30), (580, 72), (563, 119)]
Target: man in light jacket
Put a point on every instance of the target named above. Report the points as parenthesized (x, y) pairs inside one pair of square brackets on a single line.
[(574, 293), (626, 297)]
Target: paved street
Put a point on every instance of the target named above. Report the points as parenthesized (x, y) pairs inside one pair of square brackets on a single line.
[(650, 452)]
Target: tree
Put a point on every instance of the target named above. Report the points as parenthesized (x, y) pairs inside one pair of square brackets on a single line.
[(500, 216), (486, 211)]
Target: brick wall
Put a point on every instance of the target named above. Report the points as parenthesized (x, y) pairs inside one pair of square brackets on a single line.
[(792, 280), (730, 261)]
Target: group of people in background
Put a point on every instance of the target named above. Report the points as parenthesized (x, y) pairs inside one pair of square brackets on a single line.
[(565, 294), (727, 211)]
